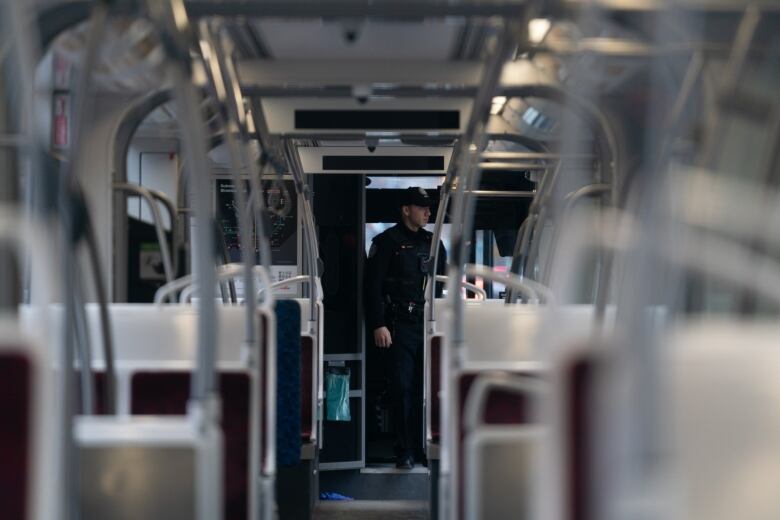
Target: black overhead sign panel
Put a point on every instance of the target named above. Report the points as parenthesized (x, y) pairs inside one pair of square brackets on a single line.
[(377, 119), (367, 163)]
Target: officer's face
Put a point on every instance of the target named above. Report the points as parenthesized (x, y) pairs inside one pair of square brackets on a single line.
[(419, 215)]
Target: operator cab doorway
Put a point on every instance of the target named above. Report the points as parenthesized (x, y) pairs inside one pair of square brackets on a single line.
[(383, 196)]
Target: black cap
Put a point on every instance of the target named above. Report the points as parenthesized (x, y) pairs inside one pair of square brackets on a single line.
[(416, 196)]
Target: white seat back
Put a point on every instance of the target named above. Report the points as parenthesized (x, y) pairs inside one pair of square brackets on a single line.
[(724, 403), (497, 333), (146, 333)]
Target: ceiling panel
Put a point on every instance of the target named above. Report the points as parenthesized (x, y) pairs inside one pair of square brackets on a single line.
[(359, 39)]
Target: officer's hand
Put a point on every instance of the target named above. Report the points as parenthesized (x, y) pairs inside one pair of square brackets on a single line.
[(382, 337)]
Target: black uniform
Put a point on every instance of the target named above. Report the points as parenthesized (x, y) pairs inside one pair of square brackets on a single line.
[(395, 298)]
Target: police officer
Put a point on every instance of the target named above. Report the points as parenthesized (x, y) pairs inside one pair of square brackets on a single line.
[(396, 275)]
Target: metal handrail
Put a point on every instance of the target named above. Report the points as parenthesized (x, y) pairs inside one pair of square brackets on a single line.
[(236, 270), (66, 185), (538, 206), (300, 279), (313, 254), (173, 214), (531, 288), (147, 195), (607, 135), (511, 166), (84, 349), (109, 389), (441, 210), (230, 114), (586, 191), (536, 216), (530, 156), (260, 503), (187, 292), (463, 207), (476, 289), (312, 250), (476, 402), (520, 244), (185, 296), (174, 27), (224, 272), (447, 191), (500, 193), (700, 252), (26, 235), (572, 199)]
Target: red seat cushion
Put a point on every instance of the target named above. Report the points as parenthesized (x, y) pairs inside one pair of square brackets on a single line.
[(502, 407), (99, 382), (579, 391), (167, 393), (434, 378), (307, 386), (15, 434)]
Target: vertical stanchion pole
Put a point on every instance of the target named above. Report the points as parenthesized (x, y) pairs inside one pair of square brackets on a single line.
[(468, 153)]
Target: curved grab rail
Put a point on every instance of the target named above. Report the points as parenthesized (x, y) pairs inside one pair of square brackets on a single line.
[(171, 287), (173, 214), (158, 227), (476, 289), (258, 270), (700, 252), (310, 228), (474, 421), (25, 236), (109, 388), (476, 402), (187, 292), (588, 190), (462, 211), (572, 199), (300, 279), (185, 296), (531, 288), (223, 272)]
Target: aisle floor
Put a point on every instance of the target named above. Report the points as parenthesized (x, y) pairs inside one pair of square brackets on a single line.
[(372, 510)]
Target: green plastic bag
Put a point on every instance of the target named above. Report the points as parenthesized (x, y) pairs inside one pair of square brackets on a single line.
[(337, 394)]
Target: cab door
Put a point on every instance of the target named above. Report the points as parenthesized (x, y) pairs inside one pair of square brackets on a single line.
[(338, 211)]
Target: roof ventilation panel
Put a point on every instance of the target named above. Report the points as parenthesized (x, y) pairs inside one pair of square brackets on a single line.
[(403, 116), (389, 160)]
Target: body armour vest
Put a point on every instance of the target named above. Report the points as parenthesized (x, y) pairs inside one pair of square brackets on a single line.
[(408, 267)]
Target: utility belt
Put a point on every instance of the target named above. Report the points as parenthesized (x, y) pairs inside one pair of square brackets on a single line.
[(411, 311)]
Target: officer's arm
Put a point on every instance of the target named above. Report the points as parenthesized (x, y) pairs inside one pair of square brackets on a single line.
[(376, 272), (441, 268)]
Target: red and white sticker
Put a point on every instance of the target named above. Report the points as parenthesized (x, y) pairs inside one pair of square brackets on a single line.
[(62, 68), (60, 125)]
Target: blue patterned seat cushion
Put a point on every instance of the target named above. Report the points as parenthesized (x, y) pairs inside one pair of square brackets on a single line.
[(288, 383)]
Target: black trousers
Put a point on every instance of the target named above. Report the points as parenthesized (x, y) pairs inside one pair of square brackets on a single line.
[(406, 383)]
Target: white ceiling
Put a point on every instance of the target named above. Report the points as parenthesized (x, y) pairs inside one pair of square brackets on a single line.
[(382, 39)]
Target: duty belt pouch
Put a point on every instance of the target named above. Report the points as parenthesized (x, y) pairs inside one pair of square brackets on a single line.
[(407, 312), (337, 394), (425, 265)]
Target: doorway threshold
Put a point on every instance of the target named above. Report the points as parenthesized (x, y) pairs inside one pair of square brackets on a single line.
[(389, 468)]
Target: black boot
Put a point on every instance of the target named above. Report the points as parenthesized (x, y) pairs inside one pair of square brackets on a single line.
[(404, 462)]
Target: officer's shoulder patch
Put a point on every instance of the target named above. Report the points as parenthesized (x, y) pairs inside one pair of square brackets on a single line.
[(372, 251)]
